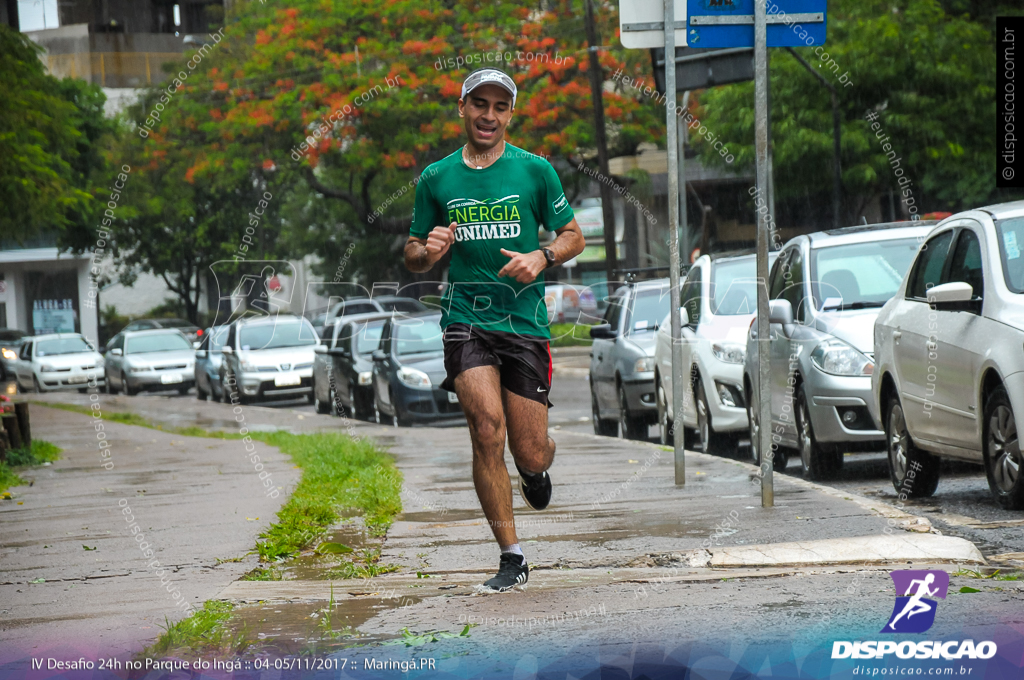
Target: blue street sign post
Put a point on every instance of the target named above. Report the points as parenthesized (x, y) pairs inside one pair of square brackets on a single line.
[(730, 23), (759, 24)]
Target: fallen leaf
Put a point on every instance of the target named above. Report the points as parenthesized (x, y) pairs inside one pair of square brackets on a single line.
[(328, 548), (968, 589), (88, 548)]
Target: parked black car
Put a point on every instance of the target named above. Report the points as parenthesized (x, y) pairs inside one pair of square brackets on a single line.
[(343, 367), (408, 369)]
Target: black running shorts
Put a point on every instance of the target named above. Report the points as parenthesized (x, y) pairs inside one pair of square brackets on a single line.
[(523, 362)]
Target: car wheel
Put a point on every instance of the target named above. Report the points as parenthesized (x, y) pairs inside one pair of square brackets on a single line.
[(398, 419), (127, 388), (817, 461), (1002, 452), (606, 427), (904, 456), (779, 457), (664, 422), (35, 385), (630, 427), (108, 385), (201, 395), (713, 442), (321, 406)]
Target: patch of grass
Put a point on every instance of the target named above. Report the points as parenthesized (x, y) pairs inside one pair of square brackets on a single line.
[(38, 453), (995, 575), (263, 574), (570, 335), (202, 633)]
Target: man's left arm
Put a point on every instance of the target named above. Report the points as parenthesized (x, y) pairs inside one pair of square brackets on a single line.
[(524, 267)]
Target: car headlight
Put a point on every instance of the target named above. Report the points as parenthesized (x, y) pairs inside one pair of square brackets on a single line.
[(366, 377), (247, 367), (47, 368), (644, 365), (9, 354), (413, 378), (729, 352), (837, 358), (133, 368)]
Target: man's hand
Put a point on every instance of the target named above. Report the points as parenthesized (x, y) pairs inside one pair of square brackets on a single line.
[(439, 240), (523, 267)]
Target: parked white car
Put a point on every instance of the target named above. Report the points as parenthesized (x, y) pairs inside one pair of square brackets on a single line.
[(719, 299), (269, 357), (58, 361), (949, 381)]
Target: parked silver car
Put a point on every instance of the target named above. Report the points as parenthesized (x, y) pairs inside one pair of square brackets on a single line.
[(208, 361), (622, 360), (949, 377), (719, 299), (150, 360), (57, 361), (826, 289), (269, 357)]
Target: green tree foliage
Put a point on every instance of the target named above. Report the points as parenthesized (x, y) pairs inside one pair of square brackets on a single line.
[(371, 88), (51, 141), (928, 75)]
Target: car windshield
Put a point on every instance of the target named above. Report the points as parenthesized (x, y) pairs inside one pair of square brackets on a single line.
[(73, 345), (649, 308), (1011, 240), (860, 275), (418, 338), (402, 306), (734, 286), (162, 342), (368, 337), (217, 337), (174, 323), (275, 335)]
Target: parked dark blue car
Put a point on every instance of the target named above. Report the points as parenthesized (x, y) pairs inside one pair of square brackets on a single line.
[(408, 369)]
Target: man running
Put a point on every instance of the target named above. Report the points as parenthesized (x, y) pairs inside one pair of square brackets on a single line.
[(494, 197)]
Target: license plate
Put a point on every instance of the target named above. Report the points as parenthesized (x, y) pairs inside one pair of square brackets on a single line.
[(170, 378), (453, 398), (76, 379), (287, 380)]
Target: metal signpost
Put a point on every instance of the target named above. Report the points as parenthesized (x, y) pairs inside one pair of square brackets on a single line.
[(726, 24), (642, 27)]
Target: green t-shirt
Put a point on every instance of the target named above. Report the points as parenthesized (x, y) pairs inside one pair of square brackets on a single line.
[(502, 206)]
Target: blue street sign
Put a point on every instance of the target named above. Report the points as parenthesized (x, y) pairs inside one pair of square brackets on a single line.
[(730, 23)]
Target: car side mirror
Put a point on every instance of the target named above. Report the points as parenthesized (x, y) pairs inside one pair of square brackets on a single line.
[(602, 332), (200, 354), (780, 311), (195, 345), (950, 293), (320, 349), (116, 352), (378, 355)]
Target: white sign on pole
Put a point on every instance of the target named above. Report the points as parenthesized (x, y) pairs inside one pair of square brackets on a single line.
[(642, 23)]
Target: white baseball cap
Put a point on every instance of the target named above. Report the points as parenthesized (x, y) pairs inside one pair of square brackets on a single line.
[(489, 76)]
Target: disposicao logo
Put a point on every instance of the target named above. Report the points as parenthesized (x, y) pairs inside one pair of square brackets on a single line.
[(914, 612)]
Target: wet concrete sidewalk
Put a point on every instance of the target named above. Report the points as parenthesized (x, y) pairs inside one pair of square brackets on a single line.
[(74, 581), (619, 537)]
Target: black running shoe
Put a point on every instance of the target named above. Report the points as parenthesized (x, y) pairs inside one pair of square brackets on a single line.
[(535, 489), (512, 571)]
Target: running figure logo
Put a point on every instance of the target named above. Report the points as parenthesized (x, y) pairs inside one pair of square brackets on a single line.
[(914, 612)]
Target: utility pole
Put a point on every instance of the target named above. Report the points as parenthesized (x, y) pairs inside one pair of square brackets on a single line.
[(596, 74)]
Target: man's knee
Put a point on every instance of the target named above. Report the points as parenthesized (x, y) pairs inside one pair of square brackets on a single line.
[(488, 429)]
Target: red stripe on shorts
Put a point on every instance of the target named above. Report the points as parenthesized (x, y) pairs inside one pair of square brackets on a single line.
[(550, 362)]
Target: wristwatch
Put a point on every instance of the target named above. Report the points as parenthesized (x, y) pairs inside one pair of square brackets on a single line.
[(549, 256)]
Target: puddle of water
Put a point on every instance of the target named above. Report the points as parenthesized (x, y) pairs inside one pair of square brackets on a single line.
[(292, 628), (437, 519), (312, 566)]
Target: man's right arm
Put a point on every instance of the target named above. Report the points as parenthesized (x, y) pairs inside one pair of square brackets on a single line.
[(422, 254)]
